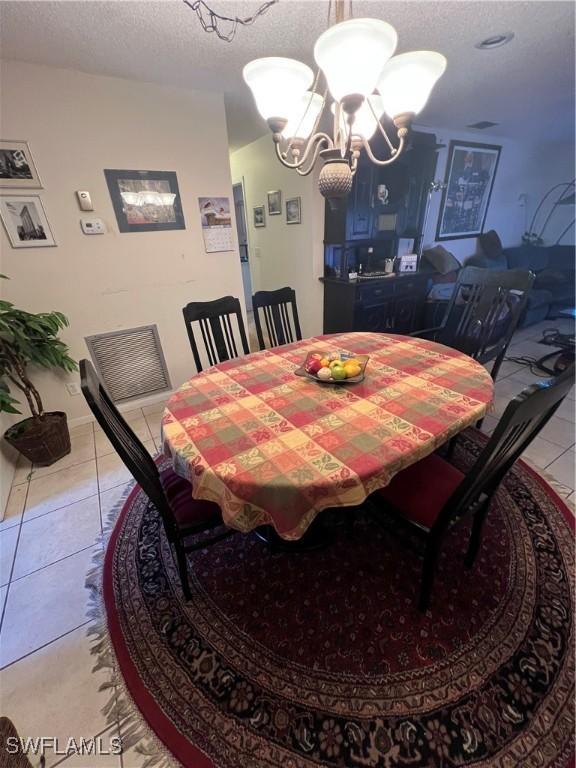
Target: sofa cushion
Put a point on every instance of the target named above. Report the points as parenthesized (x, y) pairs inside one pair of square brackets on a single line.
[(550, 279), (527, 257), (562, 257), (490, 244), (500, 262), (539, 296)]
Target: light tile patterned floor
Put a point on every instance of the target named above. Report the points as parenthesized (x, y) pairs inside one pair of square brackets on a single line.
[(46, 683)]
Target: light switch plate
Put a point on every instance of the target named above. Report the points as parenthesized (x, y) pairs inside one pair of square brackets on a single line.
[(92, 226), (84, 200)]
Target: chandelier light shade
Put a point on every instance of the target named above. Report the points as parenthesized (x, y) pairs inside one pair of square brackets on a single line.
[(351, 55), (407, 81), (365, 119), (301, 124), (363, 82), (278, 85)]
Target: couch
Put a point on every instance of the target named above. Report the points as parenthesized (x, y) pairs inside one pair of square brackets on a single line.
[(554, 267)]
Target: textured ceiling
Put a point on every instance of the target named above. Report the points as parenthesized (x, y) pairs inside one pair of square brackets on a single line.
[(527, 87)]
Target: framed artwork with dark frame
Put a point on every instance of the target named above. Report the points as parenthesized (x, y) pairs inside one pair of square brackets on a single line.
[(145, 201), (274, 199), (470, 173), (17, 169), (293, 211), (259, 216)]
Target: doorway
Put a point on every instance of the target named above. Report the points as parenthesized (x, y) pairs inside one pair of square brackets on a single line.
[(242, 230)]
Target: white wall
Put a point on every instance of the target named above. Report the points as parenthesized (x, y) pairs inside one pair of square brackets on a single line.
[(505, 213), (283, 254), (77, 125), (550, 166)]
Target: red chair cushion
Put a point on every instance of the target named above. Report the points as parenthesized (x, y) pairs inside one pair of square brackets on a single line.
[(187, 511), (421, 491)]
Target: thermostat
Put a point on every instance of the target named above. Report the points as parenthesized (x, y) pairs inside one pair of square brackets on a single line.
[(92, 226)]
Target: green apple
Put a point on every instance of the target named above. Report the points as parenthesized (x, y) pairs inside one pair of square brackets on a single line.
[(338, 372)]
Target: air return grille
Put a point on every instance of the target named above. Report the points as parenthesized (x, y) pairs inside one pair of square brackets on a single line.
[(130, 362)]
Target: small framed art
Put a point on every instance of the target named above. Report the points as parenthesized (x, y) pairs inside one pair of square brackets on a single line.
[(17, 169), (25, 221), (274, 203), (145, 201), (259, 216), (293, 211)]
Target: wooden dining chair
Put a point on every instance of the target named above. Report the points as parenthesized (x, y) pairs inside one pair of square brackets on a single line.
[(430, 496), (276, 307), (216, 320), (182, 516), (483, 313)]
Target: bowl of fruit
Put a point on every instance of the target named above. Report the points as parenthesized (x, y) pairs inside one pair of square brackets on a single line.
[(334, 367)]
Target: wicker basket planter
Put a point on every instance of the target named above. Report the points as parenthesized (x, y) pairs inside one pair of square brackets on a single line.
[(41, 440)]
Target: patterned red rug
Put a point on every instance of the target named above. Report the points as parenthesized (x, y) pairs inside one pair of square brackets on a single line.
[(321, 659)]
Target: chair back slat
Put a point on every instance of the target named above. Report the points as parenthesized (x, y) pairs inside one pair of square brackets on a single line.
[(134, 455), (525, 416), (484, 311), (276, 307), (215, 319)]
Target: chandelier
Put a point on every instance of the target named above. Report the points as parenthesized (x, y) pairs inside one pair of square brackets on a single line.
[(365, 82)]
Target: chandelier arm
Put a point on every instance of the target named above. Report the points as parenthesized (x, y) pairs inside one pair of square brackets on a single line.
[(374, 159), (312, 162), (316, 138), (381, 128)]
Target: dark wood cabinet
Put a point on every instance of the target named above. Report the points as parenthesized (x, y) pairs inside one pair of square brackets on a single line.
[(386, 202), (389, 305)]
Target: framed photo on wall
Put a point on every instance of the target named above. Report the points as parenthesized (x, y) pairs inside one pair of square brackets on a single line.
[(470, 173), (293, 211), (274, 203), (25, 221), (259, 216), (17, 169), (145, 201)]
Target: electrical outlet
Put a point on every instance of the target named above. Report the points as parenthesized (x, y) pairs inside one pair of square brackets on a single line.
[(73, 388)]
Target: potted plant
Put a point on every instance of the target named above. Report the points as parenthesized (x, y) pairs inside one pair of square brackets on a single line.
[(32, 339)]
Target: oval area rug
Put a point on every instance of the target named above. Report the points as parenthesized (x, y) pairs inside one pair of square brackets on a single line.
[(315, 659)]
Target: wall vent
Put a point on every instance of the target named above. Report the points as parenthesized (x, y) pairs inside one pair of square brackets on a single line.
[(130, 362), (482, 124)]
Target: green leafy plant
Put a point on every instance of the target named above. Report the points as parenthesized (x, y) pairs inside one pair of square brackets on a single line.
[(28, 339)]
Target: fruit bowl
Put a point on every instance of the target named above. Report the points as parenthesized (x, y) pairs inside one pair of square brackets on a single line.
[(333, 367)]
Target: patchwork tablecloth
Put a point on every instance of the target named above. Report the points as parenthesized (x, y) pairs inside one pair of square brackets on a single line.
[(272, 447)]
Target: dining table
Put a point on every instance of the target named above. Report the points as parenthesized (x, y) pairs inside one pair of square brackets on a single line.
[(273, 448)]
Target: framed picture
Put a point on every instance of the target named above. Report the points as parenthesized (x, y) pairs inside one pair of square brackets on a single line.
[(25, 221), (293, 211), (259, 216), (17, 169), (145, 201), (274, 203), (470, 174)]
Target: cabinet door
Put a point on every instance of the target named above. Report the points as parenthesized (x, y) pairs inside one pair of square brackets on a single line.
[(404, 313), (359, 219)]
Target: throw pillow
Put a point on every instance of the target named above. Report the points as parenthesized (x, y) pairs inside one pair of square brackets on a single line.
[(490, 244), (442, 260)]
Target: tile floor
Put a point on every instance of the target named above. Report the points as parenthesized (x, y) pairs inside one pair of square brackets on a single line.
[(46, 683)]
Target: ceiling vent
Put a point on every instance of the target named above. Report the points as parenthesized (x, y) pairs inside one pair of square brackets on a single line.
[(130, 362), (482, 124)]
